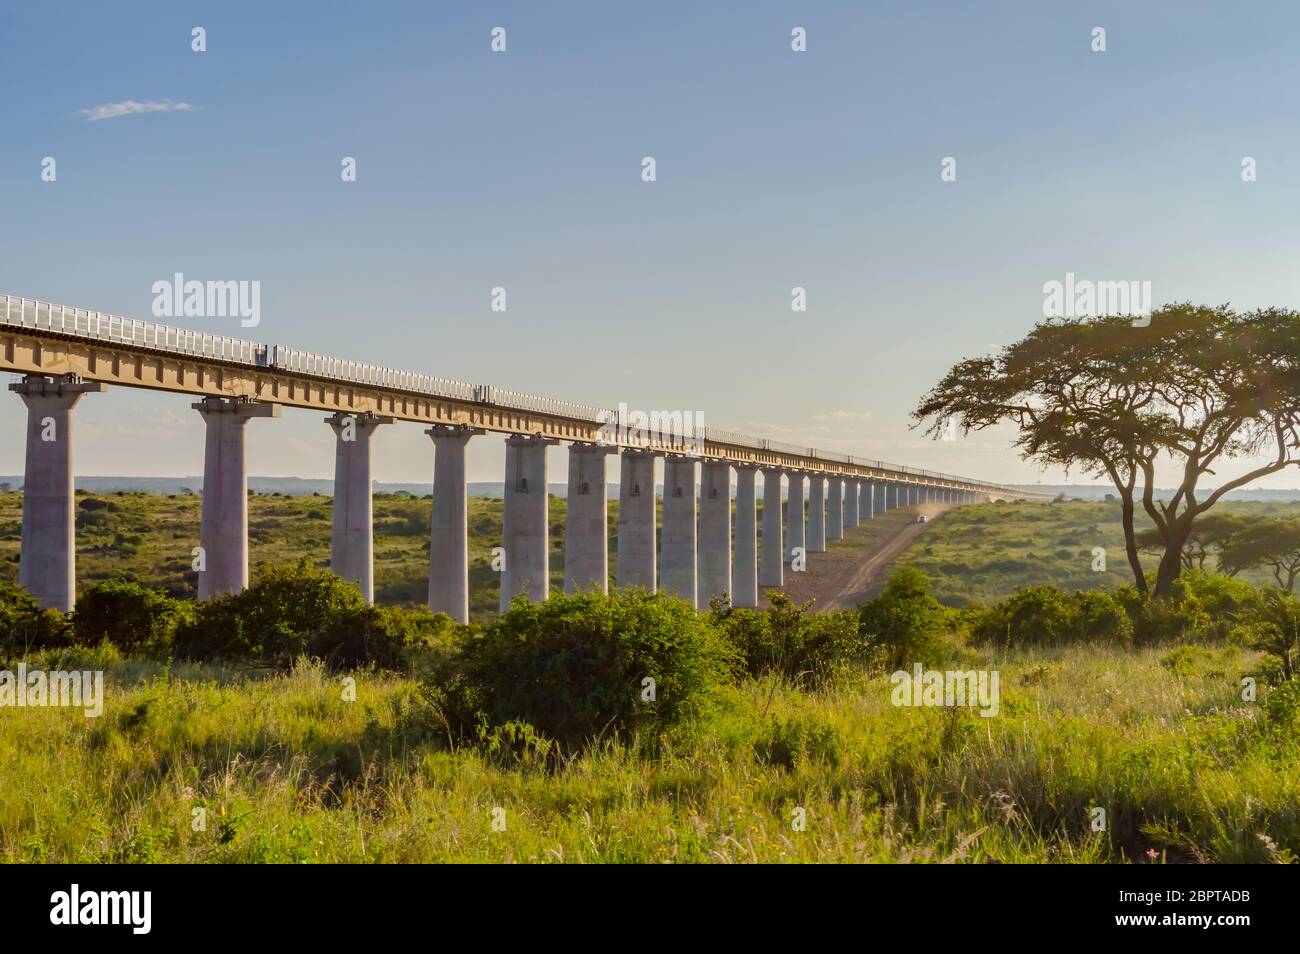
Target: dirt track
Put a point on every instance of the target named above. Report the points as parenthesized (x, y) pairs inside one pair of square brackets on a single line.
[(852, 569)]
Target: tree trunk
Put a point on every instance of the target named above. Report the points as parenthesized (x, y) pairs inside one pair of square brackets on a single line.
[(1171, 563), (1130, 543)]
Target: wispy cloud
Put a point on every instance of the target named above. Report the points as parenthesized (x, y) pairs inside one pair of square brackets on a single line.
[(129, 106)]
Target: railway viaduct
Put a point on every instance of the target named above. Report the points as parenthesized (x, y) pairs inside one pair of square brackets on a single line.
[(64, 354)]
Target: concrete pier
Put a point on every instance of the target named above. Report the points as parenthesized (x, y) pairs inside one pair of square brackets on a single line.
[(816, 514), (352, 539), (715, 531), (449, 523), (772, 571), (47, 559), (878, 495), (586, 520), (744, 568), (223, 528), (835, 509), (524, 519), (794, 516), (679, 556), (891, 496), (636, 521), (850, 504), (866, 500)]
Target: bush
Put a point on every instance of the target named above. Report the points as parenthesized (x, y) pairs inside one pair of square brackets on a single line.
[(25, 626), (1046, 616), (905, 624), (787, 639), (291, 611), (133, 618), (575, 668)]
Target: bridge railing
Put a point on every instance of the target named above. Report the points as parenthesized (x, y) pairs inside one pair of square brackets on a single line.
[(79, 322)]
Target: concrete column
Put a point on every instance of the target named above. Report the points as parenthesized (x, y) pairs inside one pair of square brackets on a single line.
[(835, 509), (866, 500), (586, 520), (715, 531), (816, 514), (850, 504), (772, 571), (353, 539), (891, 493), (794, 516), (680, 555), (223, 528), (449, 523), (47, 560), (744, 570), (914, 495), (879, 495), (525, 527), (636, 521)]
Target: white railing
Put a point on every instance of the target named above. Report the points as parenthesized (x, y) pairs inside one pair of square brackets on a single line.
[(79, 322)]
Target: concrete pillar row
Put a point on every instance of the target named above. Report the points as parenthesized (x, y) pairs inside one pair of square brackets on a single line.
[(835, 509), (525, 525), (866, 500), (47, 559), (772, 571), (223, 527), (449, 523), (352, 538), (816, 514), (715, 531), (636, 521), (794, 516), (850, 504), (586, 520), (744, 569), (680, 554)]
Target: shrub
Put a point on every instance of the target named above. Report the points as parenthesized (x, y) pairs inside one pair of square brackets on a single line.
[(25, 626), (133, 618), (787, 639), (575, 668), (291, 611), (905, 624), (1276, 629), (1046, 616)]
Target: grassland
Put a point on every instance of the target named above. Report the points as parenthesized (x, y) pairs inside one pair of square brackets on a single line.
[(285, 770)]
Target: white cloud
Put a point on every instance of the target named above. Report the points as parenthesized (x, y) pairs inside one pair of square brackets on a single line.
[(129, 106)]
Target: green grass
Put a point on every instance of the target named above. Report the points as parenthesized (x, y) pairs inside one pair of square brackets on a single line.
[(286, 770), (984, 552)]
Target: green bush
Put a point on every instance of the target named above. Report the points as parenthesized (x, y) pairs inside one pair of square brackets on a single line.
[(133, 618), (905, 624), (1046, 616), (298, 610), (787, 639), (576, 668), (25, 626)]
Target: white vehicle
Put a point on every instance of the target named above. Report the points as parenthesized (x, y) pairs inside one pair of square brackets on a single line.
[(921, 518)]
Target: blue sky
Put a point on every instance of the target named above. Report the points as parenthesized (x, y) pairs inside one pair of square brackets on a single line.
[(522, 170)]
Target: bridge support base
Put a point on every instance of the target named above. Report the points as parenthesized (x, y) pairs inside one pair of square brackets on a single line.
[(715, 531), (680, 555), (636, 521), (525, 527), (816, 514), (586, 520), (772, 571), (352, 540), (449, 523), (744, 569), (835, 509)]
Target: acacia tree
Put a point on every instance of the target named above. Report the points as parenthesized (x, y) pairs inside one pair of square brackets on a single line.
[(1197, 385), (1270, 543), (1210, 536)]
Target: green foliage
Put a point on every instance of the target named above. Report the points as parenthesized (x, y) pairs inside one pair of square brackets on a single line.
[(298, 610), (1045, 616), (787, 639), (1276, 629), (133, 618), (905, 623), (25, 626), (576, 668)]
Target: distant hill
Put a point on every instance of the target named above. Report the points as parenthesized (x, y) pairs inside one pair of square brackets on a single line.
[(1099, 492)]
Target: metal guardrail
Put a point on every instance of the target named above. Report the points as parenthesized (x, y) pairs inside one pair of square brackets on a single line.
[(79, 322)]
